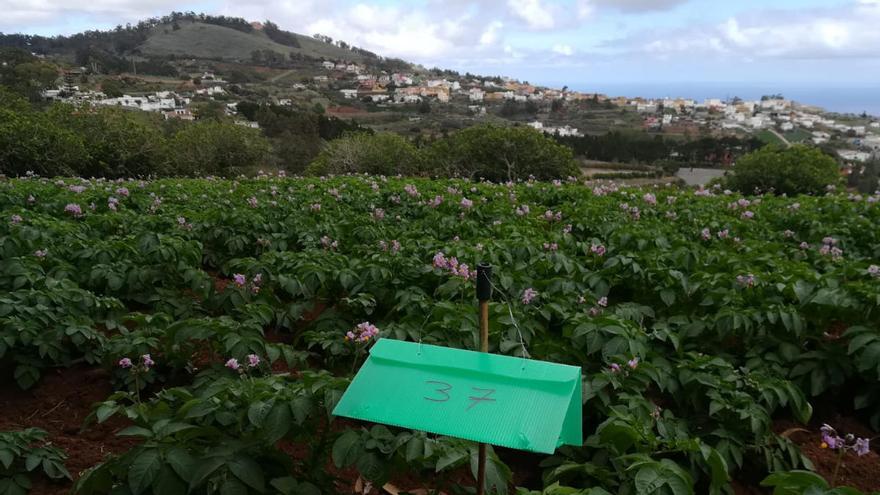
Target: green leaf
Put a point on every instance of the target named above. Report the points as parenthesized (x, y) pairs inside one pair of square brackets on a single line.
[(233, 487), (203, 470), (648, 480), (143, 471), (371, 467), (415, 448), (168, 482), (181, 462), (135, 431), (258, 411), (277, 422), (249, 472), (31, 462), (6, 458), (346, 449), (449, 459)]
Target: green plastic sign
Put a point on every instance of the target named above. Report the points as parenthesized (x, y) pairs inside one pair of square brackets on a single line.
[(500, 400)]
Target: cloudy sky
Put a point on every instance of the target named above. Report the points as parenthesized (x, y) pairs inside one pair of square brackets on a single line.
[(572, 42)]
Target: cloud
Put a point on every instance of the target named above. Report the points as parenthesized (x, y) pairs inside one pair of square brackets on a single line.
[(639, 5), (18, 14), (490, 35), (533, 12), (844, 32), (563, 50)]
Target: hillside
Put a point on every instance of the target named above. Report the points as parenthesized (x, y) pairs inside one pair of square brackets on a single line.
[(202, 40)]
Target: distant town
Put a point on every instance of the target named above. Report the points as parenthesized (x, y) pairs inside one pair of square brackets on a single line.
[(774, 114)]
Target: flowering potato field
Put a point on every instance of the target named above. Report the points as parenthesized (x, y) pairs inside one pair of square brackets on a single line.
[(728, 344)]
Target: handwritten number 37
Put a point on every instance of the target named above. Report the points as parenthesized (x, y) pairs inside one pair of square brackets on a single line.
[(442, 390)]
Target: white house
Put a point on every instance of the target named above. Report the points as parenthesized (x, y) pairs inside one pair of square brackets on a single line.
[(328, 65), (349, 94), (786, 126), (476, 94), (855, 156)]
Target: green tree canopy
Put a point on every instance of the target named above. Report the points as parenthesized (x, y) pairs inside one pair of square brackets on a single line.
[(381, 153), (502, 153), (32, 141), (212, 147), (120, 143), (796, 170)]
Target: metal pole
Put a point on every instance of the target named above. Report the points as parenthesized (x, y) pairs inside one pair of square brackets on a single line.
[(484, 293)]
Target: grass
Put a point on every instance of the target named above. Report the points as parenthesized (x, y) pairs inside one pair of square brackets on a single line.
[(217, 42), (769, 138)]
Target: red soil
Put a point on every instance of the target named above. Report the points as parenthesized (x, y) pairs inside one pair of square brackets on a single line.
[(59, 404), (857, 472)]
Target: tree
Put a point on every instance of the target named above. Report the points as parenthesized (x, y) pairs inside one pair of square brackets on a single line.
[(120, 143), (112, 88), (31, 141), (212, 147), (424, 106), (796, 170), (381, 153), (502, 153)]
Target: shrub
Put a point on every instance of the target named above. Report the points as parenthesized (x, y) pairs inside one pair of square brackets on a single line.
[(215, 148), (795, 170), (381, 154), (502, 153)]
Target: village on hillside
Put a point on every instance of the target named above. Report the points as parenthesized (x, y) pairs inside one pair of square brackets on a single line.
[(346, 83)]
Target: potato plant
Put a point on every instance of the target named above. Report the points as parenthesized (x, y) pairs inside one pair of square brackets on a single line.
[(699, 319)]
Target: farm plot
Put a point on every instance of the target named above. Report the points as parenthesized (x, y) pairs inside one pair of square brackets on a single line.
[(178, 336)]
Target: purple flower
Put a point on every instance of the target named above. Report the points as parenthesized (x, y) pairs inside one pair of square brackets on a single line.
[(411, 190), (232, 364), (437, 201), (440, 260), (240, 279), (615, 368), (362, 333), (253, 360), (874, 270), (41, 253), (125, 363), (147, 360), (603, 301), (788, 233), (378, 213), (74, 209), (598, 249), (252, 201), (633, 363), (650, 199), (122, 191), (706, 234), (466, 203), (746, 280), (723, 234), (528, 295), (16, 219), (567, 229), (863, 446), (316, 207)]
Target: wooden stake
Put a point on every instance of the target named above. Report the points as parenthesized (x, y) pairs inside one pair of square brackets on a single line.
[(484, 293)]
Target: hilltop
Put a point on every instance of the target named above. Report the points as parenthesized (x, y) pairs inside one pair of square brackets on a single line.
[(210, 41)]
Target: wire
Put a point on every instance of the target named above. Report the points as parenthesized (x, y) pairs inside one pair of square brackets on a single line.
[(522, 342)]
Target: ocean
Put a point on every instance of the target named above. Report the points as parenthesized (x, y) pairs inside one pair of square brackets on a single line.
[(840, 99)]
